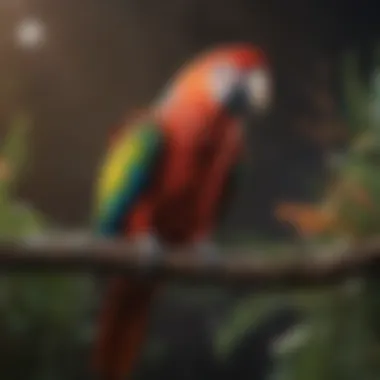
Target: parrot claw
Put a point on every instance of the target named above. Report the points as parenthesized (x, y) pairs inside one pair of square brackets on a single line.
[(209, 251)]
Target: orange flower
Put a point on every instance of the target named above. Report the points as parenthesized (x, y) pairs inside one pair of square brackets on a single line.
[(309, 220)]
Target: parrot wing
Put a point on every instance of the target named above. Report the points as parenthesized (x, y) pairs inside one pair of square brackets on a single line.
[(125, 175)]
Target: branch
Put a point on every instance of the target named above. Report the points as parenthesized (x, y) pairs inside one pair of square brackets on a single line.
[(249, 269)]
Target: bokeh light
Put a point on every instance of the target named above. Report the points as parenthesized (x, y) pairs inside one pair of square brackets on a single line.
[(30, 33)]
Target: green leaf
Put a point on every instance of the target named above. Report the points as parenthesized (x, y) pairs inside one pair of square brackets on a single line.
[(14, 148)]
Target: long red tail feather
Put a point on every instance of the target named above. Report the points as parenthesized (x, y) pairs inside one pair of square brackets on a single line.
[(122, 328)]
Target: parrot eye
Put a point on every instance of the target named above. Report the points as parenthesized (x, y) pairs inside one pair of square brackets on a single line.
[(259, 89)]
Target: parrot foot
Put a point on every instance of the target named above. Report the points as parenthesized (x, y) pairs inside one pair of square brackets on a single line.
[(209, 251), (149, 249)]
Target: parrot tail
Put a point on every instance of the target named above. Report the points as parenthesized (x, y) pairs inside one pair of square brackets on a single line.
[(122, 327)]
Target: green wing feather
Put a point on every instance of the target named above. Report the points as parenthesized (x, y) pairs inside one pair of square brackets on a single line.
[(125, 175)]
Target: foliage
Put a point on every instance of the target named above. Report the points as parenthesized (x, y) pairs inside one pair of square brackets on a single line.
[(43, 318), (15, 218), (350, 313)]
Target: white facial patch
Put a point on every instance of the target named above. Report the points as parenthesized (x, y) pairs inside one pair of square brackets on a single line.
[(259, 89), (224, 80)]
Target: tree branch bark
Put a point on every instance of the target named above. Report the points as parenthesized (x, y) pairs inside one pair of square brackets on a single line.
[(235, 268)]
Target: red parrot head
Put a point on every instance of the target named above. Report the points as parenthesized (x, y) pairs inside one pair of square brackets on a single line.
[(234, 77), (240, 76)]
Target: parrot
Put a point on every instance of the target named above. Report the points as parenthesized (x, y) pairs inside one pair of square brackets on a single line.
[(166, 179)]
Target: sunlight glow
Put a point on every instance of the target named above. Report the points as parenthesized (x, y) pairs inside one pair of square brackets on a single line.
[(30, 33)]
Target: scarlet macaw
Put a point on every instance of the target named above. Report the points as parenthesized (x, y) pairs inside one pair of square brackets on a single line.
[(166, 176)]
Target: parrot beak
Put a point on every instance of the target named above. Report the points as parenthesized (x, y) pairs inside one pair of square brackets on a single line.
[(259, 89)]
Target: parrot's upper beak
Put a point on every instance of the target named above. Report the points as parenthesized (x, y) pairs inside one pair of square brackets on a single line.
[(259, 89)]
